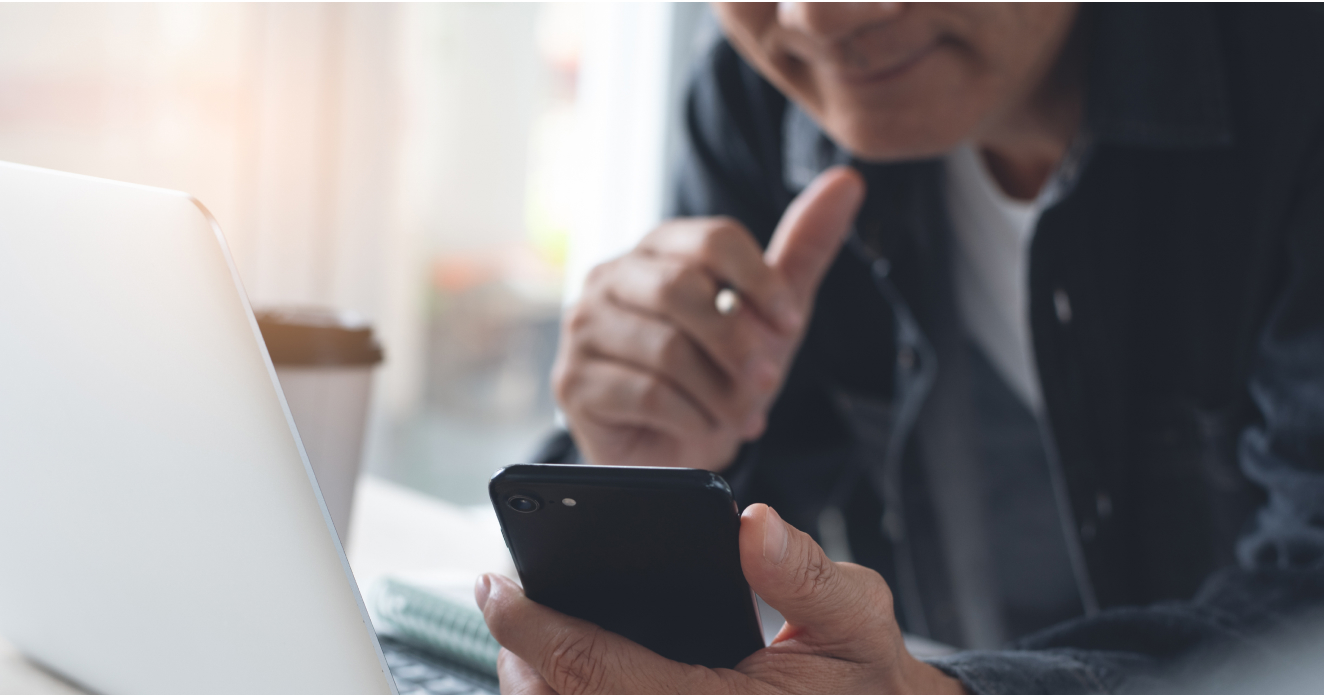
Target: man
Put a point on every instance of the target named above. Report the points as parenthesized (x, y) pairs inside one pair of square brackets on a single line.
[(1051, 349)]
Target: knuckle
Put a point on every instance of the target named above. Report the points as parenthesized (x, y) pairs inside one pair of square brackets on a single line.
[(862, 597), (570, 377), (736, 389), (734, 349), (880, 594), (598, 274), (577, 319), (562, 379), (652, 394), (716, 241), (727, 417), (740, 346), (814, 574), (666, 228), (728, 227), (883, 600), (744, 404), (676, 283), (727, 240), (503, 659), (573, 663), (672, 349)]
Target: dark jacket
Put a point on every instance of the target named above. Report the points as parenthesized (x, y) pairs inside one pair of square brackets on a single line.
[(1177, 311)]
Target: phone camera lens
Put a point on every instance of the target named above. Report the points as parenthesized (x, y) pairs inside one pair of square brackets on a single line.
[(520, 503)]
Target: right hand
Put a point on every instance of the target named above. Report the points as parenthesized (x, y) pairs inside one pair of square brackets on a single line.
[(840, 636), (650, 374)]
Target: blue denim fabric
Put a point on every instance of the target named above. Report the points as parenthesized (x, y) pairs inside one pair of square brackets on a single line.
[(1286, 453), (1151, 648), (1176, 409), (1055, 671), (1279, 580)]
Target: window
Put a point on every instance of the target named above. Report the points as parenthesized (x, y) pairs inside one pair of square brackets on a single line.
[(439, 169)]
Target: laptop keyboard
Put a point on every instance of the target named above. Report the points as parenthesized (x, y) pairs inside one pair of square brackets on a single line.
[(419, 673)]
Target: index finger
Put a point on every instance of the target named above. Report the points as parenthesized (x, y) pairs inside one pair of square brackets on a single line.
[(733, 257), (574, 656)]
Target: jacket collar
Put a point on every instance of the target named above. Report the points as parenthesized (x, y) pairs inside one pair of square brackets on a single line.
[(1155, 76)]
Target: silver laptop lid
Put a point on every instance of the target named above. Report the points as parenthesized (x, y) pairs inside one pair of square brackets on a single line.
[(160, 530)]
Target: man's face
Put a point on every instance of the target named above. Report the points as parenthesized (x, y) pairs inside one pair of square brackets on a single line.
[(900, 80)]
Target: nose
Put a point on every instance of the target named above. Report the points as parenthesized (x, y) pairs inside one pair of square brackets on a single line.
[(831, 21)]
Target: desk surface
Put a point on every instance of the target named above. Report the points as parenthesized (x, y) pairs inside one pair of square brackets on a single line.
[(394, 530)]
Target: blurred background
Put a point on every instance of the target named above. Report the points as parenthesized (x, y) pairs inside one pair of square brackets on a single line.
[(447, 172)]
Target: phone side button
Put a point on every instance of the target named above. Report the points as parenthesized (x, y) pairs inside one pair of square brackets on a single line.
[(505, 539)]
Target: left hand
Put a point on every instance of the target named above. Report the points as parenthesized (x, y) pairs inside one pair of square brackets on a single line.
[(840, 634)]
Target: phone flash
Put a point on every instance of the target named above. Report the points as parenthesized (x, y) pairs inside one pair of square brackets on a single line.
[(568, 502)]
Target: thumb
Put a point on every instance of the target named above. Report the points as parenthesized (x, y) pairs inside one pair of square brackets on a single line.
[(824, 602), (812, 230)]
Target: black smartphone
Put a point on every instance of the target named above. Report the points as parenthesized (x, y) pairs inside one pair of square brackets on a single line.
[(652, 554)]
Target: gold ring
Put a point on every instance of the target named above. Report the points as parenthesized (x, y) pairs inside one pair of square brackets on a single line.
[(727, 301)]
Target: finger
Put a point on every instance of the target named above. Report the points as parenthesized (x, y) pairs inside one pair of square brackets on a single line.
[(733, 257), (812, 230), (682, 294), (616, 393), (518, 677), (574, 656), (824, 603), (653, 345)]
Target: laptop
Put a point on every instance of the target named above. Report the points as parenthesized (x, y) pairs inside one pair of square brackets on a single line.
[(161, 530)]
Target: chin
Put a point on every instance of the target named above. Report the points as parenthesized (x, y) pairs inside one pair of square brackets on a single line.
[(901, 126), (890, 139)]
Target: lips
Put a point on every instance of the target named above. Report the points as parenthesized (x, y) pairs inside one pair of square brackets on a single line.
[(897, 68)]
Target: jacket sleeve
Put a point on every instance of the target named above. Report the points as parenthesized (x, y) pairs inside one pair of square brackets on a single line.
[(1280, 573)]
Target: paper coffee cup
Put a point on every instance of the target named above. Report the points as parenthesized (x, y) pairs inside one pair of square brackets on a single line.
[(324, 360)]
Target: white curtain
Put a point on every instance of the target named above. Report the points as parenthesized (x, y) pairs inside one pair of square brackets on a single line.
[(637, 60), (346, 148)]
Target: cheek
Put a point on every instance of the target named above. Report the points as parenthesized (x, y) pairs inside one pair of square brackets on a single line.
[(746, 23), (753, 29)]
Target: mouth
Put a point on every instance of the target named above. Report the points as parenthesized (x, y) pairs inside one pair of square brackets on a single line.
[(856, 78)]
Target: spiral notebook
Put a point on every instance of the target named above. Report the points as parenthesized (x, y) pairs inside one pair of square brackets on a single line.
[(438, 617)]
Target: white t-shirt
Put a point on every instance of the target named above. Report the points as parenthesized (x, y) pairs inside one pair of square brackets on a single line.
[(991, 258)]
